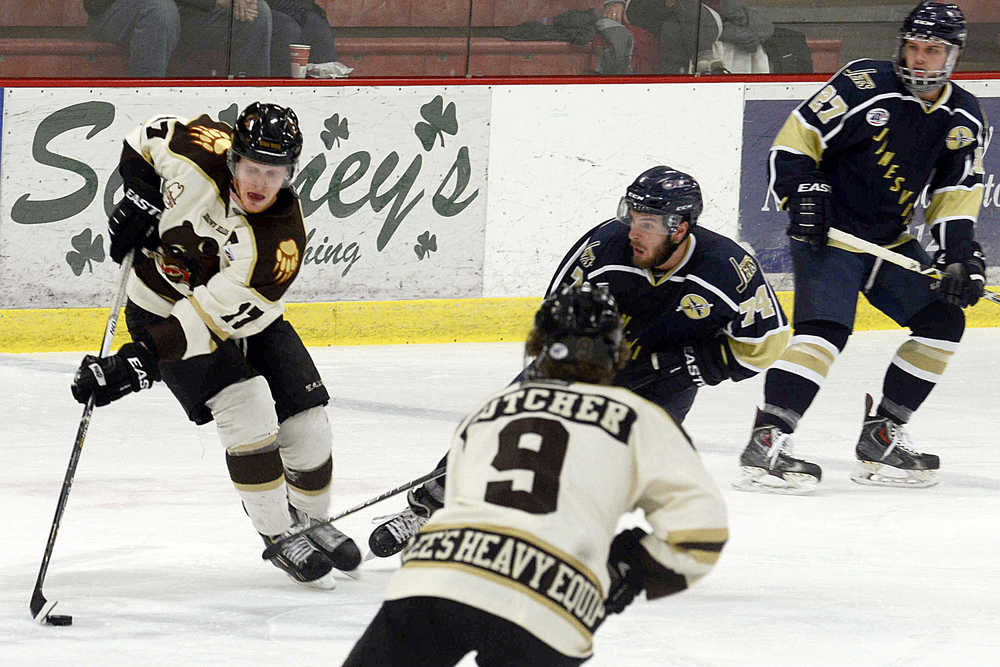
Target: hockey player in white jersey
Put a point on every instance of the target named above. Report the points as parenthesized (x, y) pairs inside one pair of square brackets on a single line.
[(218, 238), (522, 563)]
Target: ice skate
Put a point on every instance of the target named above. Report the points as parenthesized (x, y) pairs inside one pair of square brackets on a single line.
[(302, 561), (395, 531), (886, 456), (338, 547), (767, 465)]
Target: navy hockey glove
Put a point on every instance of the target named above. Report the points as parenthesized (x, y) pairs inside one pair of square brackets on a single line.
[(626, 570), (131, 369), (133, 222), (698, 364), (810, 210), (962, 281)]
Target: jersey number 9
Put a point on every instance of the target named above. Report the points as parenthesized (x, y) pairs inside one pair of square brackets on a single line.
[(545, 461)]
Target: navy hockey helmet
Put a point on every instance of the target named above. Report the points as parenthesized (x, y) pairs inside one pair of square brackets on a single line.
[(663, 191), (577, 335), (939, 22), (267, 133)]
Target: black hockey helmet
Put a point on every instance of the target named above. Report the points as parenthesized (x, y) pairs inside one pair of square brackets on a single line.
[(663, 191), (267, 133), (577, 335), (941, 22)]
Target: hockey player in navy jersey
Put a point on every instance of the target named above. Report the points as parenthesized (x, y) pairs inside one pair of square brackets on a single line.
[(856, 157), (697, 308)]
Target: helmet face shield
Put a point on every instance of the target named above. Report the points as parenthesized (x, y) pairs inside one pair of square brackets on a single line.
[(272, 175), (664, 223)]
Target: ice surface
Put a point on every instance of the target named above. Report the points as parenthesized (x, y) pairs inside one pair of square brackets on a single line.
[(158, 564)]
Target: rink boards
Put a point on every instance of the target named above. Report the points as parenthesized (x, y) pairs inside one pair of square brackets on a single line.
[(435, 212)]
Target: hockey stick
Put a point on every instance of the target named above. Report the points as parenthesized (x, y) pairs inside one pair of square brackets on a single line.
[(852, 241), (274, 546), (40, 607)]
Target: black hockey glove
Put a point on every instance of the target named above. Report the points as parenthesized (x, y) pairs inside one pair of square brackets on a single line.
[(705, 362), (810, 211), (131, 369), (626, 570), (962, 281), (133, 222)]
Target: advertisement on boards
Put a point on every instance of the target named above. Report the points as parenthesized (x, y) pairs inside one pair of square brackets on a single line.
[(762, 225), (392, 182)]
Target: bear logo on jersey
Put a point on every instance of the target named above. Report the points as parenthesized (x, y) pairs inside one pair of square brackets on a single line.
[(188, 258), (959, 137), (695, 306), (286, 260), (877, 117), (211, 139)]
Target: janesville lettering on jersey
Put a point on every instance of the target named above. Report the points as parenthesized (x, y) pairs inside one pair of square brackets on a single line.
[(525, 564), (615, 418)]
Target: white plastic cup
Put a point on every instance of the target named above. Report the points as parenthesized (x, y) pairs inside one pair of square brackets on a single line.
[(300, 58)]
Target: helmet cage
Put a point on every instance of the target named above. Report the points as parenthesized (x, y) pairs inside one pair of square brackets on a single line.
[(919, 81), (935, 22)]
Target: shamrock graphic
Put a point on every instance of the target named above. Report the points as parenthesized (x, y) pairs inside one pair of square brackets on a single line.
[(336, 129), (426, 243), (229, 115), (85, 251), (440, 120)]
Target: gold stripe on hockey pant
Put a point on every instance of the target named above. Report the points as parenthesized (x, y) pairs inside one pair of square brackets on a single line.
[(267, 444), (925, 358), (809, 357), (704, 545), (761, 354)]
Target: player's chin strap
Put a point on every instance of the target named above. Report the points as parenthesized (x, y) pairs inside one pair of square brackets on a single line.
[(855, 243)]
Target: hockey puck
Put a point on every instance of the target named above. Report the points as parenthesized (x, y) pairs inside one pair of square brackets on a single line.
[(59, 619)]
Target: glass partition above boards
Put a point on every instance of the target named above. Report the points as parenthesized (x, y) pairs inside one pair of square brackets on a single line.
[(466, 38)]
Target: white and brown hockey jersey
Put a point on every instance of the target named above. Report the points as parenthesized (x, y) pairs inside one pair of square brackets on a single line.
[(538, 478), (218, 272)]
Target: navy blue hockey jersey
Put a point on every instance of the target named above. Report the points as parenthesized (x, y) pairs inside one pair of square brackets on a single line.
[(878, 145), (717, 289)]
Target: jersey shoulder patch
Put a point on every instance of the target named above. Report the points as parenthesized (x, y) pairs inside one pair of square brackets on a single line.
[(201, 137), (726, 263), (860, 80), (604, 245), (280, 237)]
